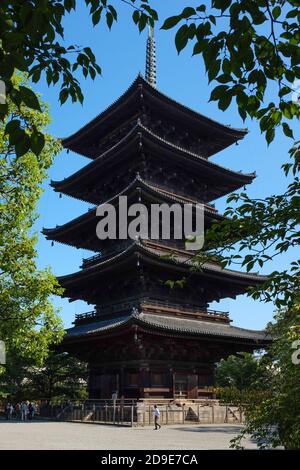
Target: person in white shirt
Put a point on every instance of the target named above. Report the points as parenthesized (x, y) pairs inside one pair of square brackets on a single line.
[(156, 414)]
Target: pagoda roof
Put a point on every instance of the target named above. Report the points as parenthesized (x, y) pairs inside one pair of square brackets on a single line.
[(169, 325), (88, 177), (130, 103), (65, 233), (163, 256)]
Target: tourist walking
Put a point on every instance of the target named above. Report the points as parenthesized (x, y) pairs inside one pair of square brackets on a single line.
[(156, 414)]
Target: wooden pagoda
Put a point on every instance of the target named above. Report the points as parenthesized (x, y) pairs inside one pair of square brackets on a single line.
[(143, 339)]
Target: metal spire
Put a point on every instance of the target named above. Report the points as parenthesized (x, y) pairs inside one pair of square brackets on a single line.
[(150, 74)]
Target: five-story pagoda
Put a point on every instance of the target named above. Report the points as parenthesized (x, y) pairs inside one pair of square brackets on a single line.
[(143, 339)]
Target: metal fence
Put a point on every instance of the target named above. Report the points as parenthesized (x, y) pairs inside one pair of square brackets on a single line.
[(140, 413), (118, 412), (193, 413)]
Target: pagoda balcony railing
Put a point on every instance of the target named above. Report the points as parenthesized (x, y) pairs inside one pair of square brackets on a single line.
[(186, 307), (104, 254), (125, 306), (132, 303), (116, 249)]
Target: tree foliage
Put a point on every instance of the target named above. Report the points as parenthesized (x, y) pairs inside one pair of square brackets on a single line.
[(60, 378), (32, 41), (28, 321), (273, 415), (242, 371), (248, 46), (255, 232)]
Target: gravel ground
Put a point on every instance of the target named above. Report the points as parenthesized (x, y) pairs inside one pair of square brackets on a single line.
[(62, 436)]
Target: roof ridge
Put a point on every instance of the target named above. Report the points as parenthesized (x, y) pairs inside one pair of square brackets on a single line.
[(134, 183), (140, 246), (141, 80), (183, 149), (229, 127), (120, 143), (138, 78)]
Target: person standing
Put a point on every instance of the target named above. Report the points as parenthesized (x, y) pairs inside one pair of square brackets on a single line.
[(7, 411), (33, 410), (24, 411), (156, 414), (18, 411), (11, 411)]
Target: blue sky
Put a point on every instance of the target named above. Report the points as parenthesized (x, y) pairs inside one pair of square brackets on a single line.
[(121, 54)]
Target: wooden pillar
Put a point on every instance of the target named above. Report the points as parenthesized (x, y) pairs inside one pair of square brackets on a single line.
[(121, 382), (144, 373)]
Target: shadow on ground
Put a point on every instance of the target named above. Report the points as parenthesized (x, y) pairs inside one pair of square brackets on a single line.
[(224, 429), (28, 421)]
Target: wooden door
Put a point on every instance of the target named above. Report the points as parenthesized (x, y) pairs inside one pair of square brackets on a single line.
[(192, 386)]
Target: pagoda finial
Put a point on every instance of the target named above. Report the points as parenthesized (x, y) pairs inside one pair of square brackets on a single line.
[(150, 74)]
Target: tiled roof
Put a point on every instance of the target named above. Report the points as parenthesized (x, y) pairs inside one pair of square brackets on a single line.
[(171, 324), (90, 126), (95, 327), (138, 182), (182, 258), (147, 133)]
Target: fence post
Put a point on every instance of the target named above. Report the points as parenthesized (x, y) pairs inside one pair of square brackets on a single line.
[(183, 417), (149, 416), (213, 413), (167, 416), (106, 412), (94, 412), (131, 415), (226, 414), (198, 406)]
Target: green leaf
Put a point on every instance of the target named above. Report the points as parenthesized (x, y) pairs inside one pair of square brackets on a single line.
[(136, 16), (214, 69), (287, 130), (22, 146), (224, 78), (170, 22), (142, 22), (225, 101), (226, 67), (218, 92), (276, 12), (12, 126), (96, 16), (109, 19), (29, 98), (37, 142), (198, 48), (242, 113), (187, 12), (182, 37), (69, 5), (113, 12), (270, 134), (63, 95), (3, 110)]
